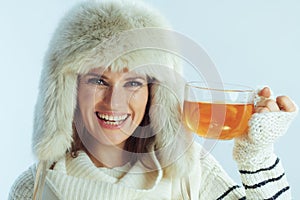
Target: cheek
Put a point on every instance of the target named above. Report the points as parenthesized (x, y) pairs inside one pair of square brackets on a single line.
[(138, 102), (86, 104), (86, 98)]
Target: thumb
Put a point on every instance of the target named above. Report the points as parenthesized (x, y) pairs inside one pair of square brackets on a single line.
[(265, 92)]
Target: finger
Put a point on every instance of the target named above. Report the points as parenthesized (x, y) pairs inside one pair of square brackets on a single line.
[(285, 104), (261, 109), (270, 104), (265, 92)]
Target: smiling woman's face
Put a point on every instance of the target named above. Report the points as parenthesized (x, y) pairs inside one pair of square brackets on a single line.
[(112, 104)]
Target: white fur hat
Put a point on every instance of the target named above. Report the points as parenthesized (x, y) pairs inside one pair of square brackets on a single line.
[(92, 35)]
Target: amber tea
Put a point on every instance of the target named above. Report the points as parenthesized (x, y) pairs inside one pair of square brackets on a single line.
[(198, 118), (217, 112)]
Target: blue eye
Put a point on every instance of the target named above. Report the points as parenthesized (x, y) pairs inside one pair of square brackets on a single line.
[(133, 84), (97, 81)]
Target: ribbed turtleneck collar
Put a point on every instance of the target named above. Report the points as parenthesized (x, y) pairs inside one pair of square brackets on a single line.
[(79, 178)]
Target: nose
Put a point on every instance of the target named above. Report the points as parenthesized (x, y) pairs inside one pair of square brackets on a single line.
[(115, 97)]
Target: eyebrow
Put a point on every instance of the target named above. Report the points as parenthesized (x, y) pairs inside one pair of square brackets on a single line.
[(94, 74), (134, 77)]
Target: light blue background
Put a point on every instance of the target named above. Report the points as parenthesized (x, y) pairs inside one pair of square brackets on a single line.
[(253, 42)]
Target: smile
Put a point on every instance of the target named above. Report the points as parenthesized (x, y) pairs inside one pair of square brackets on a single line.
[(111, 120)]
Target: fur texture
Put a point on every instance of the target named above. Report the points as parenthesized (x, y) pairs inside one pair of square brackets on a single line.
[(92, 35)]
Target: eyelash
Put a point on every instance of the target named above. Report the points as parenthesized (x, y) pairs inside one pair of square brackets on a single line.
[(101, 82), (133, 84), (97, 81)]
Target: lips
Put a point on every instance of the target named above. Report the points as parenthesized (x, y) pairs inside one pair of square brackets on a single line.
[(111, 121)]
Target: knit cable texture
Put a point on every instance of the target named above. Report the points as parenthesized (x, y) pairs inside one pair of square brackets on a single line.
[(264, 129)]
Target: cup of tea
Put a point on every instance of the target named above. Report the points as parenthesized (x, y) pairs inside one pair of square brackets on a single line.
[(217, 110)]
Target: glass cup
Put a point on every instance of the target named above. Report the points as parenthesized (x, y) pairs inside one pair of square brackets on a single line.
[(217, 110)]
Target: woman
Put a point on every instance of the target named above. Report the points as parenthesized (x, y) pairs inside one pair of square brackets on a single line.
[(108, 120)]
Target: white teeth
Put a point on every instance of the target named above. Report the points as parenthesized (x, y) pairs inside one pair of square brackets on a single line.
[(112, 117), (112, 123)]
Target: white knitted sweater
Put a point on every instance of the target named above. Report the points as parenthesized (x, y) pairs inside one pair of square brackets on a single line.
[(262, 175), (80, 179)]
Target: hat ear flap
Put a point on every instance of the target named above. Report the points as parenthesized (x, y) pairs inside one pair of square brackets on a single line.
[(54, 111), (173, 145), (165, 113)]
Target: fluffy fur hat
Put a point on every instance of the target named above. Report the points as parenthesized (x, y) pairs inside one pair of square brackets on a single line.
[(114, 34)]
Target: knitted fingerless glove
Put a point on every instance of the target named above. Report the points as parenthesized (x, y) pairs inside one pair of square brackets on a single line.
[(256, 147)]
